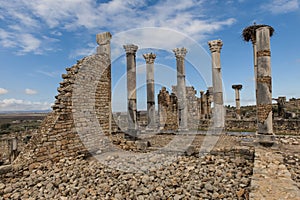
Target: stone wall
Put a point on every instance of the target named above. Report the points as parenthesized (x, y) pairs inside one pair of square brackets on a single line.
[(168, 110), (194, 106), (5, 151), (80, 116), (282, 126)]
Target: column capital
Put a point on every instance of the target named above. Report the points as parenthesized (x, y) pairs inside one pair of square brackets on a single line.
[(149, 57), (215, 45), (237, 87), (130, 48), (180, 52), (103, 38)]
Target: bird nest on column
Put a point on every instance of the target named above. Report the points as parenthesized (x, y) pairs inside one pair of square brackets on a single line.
[(249, 31)]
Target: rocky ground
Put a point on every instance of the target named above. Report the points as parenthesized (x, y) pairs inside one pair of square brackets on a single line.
[(291, 153), (292, 161), (209, 176), (224, 173)]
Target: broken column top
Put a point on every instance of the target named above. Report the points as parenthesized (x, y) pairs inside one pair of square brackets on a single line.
[(130, 48), (149, 57), (237, 87), (249, 33), (180, 52), (215, 45), (103, 38)]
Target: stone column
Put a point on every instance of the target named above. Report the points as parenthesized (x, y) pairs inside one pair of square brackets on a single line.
[(264, 83), (131, 88), (103, 40), (209, 98), (218, 115), (237, 89), (180, 54), (203, 104), (150, 57)]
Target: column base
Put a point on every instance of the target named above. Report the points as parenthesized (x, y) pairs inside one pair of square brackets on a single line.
[(183, 130), (151, 130), (131, 134), (265, 140)]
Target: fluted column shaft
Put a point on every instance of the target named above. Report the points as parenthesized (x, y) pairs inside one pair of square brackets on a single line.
[(131, 87), (149, 57), (218, 115), (264, 82), (180, 54)]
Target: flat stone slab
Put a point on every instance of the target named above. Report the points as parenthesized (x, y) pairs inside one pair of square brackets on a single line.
[(271, 179)]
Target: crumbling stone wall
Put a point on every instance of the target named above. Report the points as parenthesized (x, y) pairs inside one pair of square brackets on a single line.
[(168, 110), (193, 106), (83, 100), (281, 126)]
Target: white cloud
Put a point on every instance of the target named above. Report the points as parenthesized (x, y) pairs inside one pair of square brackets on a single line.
[(51, 17), (53, 74), (30, 91), (22, 105), (90, 49), (281, 6), (25, 42), (3, 91)]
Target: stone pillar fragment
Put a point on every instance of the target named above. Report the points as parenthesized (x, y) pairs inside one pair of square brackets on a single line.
[(237, 89), (103, 40), (218, 115), (131, 88), (150, 57), (180, 54), (209, 99), (203, 104), (264, 82)]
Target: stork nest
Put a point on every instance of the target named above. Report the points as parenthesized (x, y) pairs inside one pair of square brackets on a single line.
[(249, 31)]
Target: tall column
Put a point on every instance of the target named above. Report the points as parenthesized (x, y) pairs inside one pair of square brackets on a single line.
[(103, 40), (180, 54), (203, 104), (237, 89), (131, 88), (264, 82), (215, 47), (150, 57)]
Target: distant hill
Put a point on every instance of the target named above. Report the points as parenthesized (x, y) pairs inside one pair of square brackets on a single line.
[(25, 112)]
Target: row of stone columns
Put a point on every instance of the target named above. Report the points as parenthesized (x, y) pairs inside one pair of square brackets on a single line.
[(260, 37), (131, 87), (180, 53)]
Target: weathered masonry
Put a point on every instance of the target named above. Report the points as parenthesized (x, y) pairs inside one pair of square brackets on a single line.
[(84, 99)]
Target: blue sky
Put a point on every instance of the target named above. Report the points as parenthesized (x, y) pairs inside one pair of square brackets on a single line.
[(40, 38)]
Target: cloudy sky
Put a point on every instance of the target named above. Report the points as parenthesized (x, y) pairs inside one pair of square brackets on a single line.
[(40, 38)]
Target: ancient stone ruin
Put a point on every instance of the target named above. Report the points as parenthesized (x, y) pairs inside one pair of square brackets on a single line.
[(71, 123), (163, 156)]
